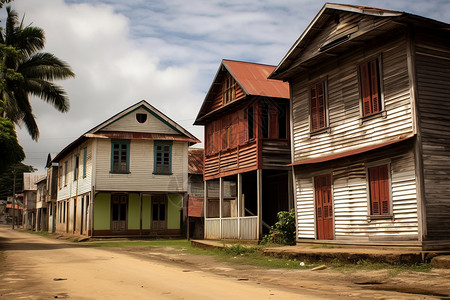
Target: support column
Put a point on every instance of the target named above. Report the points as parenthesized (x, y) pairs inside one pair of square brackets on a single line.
[(239, 200), (140, 214), (259, 202), (220, 204), (205, 204)]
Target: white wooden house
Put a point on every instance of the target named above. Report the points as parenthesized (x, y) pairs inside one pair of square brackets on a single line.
[(370, 99), (126, 176)]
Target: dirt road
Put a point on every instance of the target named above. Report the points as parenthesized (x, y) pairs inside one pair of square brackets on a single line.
[(34, 267)]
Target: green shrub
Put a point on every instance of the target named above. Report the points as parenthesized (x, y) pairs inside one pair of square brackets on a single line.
[(283, 231)]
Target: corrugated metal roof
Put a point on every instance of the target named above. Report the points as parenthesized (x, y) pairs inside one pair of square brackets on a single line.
[(330, 157), (141, 136), (195, 159), (30, 179), (253, 79)]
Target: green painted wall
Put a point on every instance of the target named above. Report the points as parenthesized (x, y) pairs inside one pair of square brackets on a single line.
[(146, 212), (102, 212), (173, 218), (134, 207)]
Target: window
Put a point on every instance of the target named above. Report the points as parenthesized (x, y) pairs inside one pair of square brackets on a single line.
[(120, 156), (282, 121), (141, 118), (163, 157), (228, 89), (265, 120), (65, 172), (317, 106), (84, 161), (75, 167), (249, 116), (370, 87), (379, 190)]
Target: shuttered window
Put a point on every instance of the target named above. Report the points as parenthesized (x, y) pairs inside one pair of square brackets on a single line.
[(228, 89), (317, 106), (120, 156), (163, 157), (379, 190), (370, 87)]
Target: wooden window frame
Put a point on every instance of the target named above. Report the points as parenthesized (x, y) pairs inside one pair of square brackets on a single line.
[(76, 166), (228, 89), (312, 104), (381, 213), (120, 143), (84, 161), (66, 171), (159, 162), (366, 81)]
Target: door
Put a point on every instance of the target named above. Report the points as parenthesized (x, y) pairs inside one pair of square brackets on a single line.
[(159, 212), (119, 206), (324, 207)]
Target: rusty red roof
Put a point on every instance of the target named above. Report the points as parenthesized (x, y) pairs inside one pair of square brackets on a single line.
[(195, 161), (351, 152), (15, 206), (253, 79), (141, 136)]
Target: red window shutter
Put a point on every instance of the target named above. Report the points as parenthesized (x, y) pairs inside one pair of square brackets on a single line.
[(318, 120), (379, 190), (365, 89), (273, 120), (374, 86), (242, 129)]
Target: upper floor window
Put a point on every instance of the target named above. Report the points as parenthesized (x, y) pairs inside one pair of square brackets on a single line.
[(379, 190), (76, 166), (120, 156), (369, 73), (318, 106), (141, 118), (84, 161), (228, 89), (250, 126), (66, 166), (163, 157)]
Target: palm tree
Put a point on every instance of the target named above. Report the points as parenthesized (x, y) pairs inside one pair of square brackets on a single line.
[(26, 71)]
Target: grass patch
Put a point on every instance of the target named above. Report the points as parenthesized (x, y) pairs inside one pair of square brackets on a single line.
[(174, 243), (363, 265), (325, 246), (41, 233)]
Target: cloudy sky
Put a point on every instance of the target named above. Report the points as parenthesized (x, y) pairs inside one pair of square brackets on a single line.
[(164, 51)]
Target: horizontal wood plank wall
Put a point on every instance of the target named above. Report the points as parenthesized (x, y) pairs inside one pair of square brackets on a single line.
[(433, 87), (347, 129), (130, 124), (141, 177), (276, 154), (349, 23), (350, 197), (217, 97)]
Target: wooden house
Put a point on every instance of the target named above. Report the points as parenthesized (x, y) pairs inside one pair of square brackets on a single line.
[(247, 148), (29, 199), (370, 98), (125, 177), (195, 221)]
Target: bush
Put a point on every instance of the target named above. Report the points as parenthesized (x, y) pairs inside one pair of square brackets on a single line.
[(283, 231)]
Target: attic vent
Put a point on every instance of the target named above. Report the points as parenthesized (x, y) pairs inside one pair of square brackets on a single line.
[(141, 118), (334, 43)]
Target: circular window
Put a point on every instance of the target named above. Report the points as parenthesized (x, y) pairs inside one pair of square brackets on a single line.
[(141, 118)]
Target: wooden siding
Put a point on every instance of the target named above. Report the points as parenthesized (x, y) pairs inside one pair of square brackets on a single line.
[(433, 89), (276, 154), (217, 97), (129, 123), (141, 177), (346, 128), (351, 198)]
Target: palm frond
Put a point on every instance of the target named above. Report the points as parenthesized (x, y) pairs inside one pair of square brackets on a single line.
[(50, 93), (45, 66), (30, 40)]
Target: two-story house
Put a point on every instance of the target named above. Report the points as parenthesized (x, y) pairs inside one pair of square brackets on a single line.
[(247, 148), (126, 176), (370, 98)]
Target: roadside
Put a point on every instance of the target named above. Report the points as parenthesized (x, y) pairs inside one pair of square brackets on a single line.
[(363, 280)]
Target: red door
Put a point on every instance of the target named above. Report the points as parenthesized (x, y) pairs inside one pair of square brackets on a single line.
[(324, 207)]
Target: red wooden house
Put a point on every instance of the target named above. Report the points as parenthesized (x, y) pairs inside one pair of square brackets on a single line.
[(247, 148)]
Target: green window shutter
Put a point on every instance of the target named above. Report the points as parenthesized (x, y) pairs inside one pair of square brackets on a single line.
[(120, 156), (162, 157), (84, 161)]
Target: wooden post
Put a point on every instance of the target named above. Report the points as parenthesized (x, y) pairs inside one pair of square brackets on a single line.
[(205, 204), (239, 199), (259, 202), (220, 204), (140, 215)]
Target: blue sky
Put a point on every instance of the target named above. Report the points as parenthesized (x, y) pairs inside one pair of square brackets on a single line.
[(166, 52)]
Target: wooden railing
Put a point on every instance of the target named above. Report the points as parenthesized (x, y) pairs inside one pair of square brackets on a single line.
[(243, 228)]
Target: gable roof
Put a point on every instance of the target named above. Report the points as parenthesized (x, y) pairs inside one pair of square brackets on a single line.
[(251, 77), (30, 180), (344, 40), (98, 131)]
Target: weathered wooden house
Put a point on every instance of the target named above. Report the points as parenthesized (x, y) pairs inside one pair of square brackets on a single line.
[(41, 205), (370, 98), (195, 221), (247, 148), (29, 199), (126, 176), (51, 190)]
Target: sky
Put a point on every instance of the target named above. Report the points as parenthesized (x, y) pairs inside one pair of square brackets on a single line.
[(166, 52)]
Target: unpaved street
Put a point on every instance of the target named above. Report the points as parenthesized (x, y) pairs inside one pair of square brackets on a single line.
[(34, 267)]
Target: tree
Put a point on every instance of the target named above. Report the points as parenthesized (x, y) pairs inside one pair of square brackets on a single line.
[(10, 150), (7, 179), (25, 71)]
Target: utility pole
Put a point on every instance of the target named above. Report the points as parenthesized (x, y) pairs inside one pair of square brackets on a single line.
[(14, 198)]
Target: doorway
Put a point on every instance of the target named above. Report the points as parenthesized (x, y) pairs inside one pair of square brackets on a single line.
[(119, 215), (159, 212), (324, 207)]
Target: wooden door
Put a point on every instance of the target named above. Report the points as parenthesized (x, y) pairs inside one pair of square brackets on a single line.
[(159, 212), (324, 207), (119, 209)]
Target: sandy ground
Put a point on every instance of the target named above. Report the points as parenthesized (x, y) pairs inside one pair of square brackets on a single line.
[(33, 267)]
